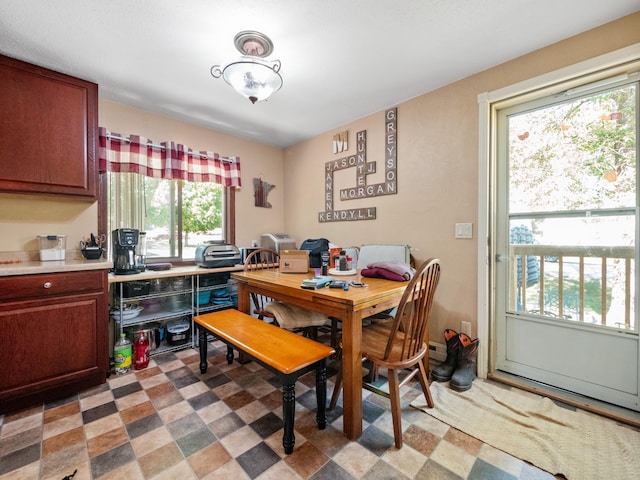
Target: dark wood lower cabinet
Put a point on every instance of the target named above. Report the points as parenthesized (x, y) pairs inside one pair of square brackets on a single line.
[(53, 336)]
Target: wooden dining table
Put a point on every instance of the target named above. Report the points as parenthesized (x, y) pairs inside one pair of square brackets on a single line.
[(350, 306)]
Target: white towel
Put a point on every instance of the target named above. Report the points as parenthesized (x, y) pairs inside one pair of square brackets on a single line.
[(291, 316)]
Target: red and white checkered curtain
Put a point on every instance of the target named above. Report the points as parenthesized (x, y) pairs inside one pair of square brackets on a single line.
[(167, 160)]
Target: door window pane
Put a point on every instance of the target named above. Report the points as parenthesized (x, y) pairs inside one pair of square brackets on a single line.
[(572, 205)]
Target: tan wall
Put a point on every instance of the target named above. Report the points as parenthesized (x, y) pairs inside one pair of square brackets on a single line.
[(23, 217), (437, 171)]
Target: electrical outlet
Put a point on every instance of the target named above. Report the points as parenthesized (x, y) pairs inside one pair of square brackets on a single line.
[(465, 327)]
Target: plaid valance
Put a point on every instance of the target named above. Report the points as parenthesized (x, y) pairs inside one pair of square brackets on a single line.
[(167, 160)]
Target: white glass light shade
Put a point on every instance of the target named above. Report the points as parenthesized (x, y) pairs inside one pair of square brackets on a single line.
[(253, 78)]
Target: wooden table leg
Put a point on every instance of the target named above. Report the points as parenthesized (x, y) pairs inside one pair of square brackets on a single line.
[(244, 305), (352, 375)]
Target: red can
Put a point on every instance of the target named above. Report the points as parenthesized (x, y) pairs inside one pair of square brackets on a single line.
[(141, 351)]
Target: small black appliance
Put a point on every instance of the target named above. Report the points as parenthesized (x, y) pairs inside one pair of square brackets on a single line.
[(124, 241)]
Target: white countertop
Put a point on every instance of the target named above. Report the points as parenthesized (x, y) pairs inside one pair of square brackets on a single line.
[(23, 264), (172, 272), (18, 267)]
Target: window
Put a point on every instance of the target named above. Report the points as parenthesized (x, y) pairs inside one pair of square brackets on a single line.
[(176, 215), (181, 198)]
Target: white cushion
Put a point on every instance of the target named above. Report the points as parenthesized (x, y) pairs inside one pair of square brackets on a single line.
[(383, 253)]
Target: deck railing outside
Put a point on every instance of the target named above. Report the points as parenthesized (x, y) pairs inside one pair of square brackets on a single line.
[(591, 284)]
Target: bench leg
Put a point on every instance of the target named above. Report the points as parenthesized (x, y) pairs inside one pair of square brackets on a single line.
[(288, 413), (202, 344), (321, 394), (229, 355)]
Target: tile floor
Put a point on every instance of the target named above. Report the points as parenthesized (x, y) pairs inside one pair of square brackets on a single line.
[(170, 422)]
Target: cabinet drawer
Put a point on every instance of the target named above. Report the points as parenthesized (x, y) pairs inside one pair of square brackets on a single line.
[(51, 284)]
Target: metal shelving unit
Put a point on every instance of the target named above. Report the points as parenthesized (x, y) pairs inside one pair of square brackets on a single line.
[(166, 313), (221, 290)]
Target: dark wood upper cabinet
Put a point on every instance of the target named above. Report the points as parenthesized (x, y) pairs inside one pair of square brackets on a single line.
[(48, 132)]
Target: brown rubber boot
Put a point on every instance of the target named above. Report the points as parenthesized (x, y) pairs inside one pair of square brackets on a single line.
[(444, 371), (462, 378)]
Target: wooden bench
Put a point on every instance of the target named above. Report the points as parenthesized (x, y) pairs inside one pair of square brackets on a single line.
[(286, 354)]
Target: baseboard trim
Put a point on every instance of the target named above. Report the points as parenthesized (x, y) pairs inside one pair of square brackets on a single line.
[(437, 351)]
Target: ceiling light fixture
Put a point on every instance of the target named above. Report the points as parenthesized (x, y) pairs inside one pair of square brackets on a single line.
[(250, 75)]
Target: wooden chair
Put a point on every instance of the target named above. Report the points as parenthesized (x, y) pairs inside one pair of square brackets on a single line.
[(261, 259), (401, 345), (285, 316)]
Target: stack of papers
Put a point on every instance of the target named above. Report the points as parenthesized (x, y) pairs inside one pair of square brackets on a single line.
[(316, 282)]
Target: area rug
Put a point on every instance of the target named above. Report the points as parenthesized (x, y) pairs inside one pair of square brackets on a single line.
[(576, 444)]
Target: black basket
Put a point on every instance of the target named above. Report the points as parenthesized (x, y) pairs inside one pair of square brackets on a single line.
[(135, 289)]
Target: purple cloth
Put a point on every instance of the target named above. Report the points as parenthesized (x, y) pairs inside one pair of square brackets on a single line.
[(377, 272), (399, 268)]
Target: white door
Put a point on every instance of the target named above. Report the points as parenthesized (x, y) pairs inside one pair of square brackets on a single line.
[(566, 241)]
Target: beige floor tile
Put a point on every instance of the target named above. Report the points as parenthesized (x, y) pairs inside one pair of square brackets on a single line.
[(103, 425), (501, 460), (406, 460), (233, 471), (59, 442), (167, 367), (160, 460), (209, 459), (130, 471), (53, 414), (96, 400), (151, 441), (226, 390), (181, 470), (175, 411), (83, 472), (153, 381), (129, 401), (64, 462), (280, 471), (137, 412), (107, 441), (430, 424), (252, 411), (13, 427), (306, 459), (116, 381), (240, 441), (453, 458), (194, 390), (214, 411), (31, 471), (62, 425), (355, 459)]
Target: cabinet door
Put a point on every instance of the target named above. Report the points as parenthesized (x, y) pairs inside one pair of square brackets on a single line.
[(48, 128), (52, 347)]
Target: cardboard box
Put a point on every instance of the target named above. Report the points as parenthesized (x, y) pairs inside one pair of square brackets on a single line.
[(294, 261)]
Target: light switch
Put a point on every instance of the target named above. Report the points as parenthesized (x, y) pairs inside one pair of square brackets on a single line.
[(464, 230)]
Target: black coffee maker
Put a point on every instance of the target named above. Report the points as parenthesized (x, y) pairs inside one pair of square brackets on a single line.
[(124, 241)]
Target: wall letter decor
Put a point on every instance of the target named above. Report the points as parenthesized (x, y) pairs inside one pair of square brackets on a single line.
[(363, 168)]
